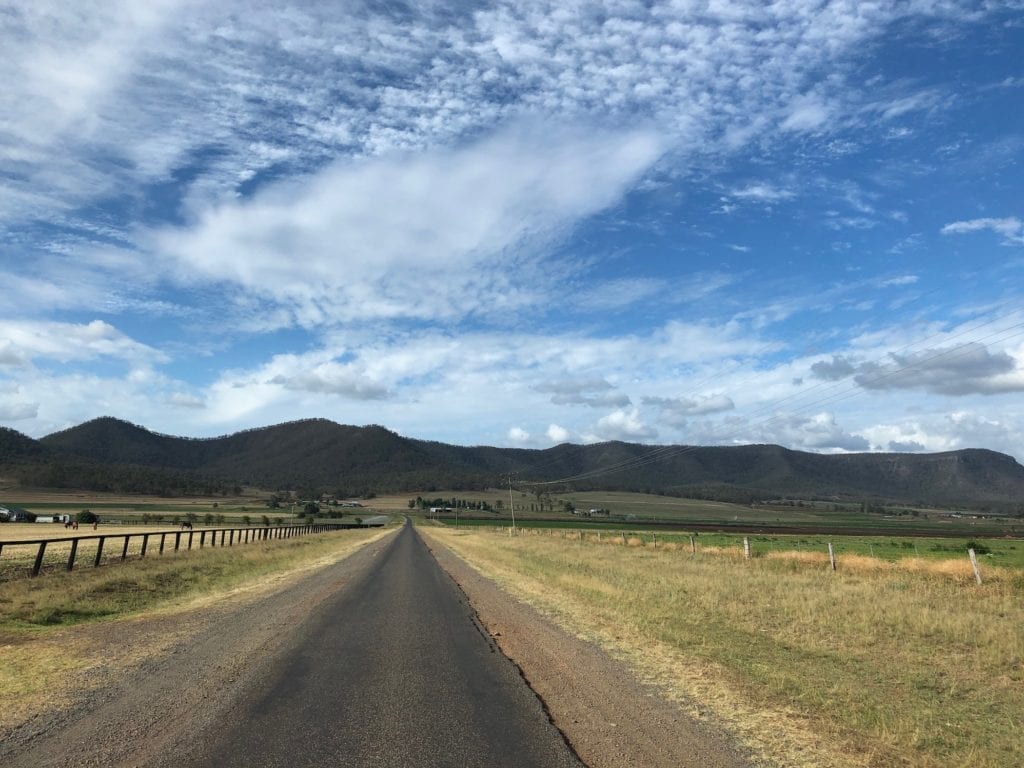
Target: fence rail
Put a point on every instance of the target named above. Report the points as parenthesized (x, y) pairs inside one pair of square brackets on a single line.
[(174, 541)]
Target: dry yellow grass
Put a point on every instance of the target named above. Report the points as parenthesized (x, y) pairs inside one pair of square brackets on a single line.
[(16, 558), (878, 664)]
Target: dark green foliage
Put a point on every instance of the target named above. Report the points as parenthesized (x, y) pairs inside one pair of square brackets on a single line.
[(87, 516)]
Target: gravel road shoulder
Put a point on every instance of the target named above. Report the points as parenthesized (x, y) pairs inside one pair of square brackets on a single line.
[(163, 681), (610, 718)]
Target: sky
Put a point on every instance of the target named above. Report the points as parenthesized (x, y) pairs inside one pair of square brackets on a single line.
[(523, 223)]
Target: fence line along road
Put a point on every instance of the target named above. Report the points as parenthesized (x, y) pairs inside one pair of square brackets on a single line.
[(202, 537)]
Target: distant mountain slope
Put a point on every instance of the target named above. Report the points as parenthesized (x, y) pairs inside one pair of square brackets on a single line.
[(16, 446), (319, 455)]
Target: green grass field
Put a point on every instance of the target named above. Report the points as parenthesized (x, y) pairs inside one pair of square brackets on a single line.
[(634, 509)]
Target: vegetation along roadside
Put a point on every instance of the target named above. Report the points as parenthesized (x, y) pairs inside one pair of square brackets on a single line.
[(866, 666)]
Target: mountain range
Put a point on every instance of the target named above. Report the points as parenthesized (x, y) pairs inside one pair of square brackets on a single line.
[(316, 455)]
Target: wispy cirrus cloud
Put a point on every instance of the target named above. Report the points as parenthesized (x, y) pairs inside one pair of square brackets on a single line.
[(1010, 228), (438, 235)]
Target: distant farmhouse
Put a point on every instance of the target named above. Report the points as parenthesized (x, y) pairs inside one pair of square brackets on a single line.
[(11, 514)]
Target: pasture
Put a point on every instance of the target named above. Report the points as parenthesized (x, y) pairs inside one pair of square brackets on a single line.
[(630, 510), (1003, 551), (902, 663)]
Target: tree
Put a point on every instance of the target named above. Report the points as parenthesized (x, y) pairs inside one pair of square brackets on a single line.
[(86, 516), (311, 509)]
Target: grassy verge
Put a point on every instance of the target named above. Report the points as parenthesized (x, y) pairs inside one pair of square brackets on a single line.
[(31, 606), (1002, 552), (879, 664)]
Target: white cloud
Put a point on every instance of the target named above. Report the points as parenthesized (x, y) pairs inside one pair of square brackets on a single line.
[(763, 192), (68, 342), (1011, 228), (438, 235), (807, 113), (518, 435), (818, 432), (623, 425), (558, 434)]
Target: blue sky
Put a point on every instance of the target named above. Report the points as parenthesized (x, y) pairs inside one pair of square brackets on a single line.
[(518, 223)]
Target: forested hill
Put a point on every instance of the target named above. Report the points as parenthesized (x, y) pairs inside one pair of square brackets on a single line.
[(319, 455)]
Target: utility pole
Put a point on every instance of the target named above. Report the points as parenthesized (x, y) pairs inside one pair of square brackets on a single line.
[(511, 504)]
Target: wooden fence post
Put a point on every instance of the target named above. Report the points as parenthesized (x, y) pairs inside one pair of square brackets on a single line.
[(746, 548), (654, 540), (39, 558), (99, 552), (693, 547), (974, 565), (831, 556), (623, 538), (71, 556), (124, 549)]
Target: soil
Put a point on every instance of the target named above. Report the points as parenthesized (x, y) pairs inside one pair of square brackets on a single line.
[(160, 683)]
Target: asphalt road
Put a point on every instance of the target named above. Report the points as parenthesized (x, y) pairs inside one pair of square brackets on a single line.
[(392, 671)]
